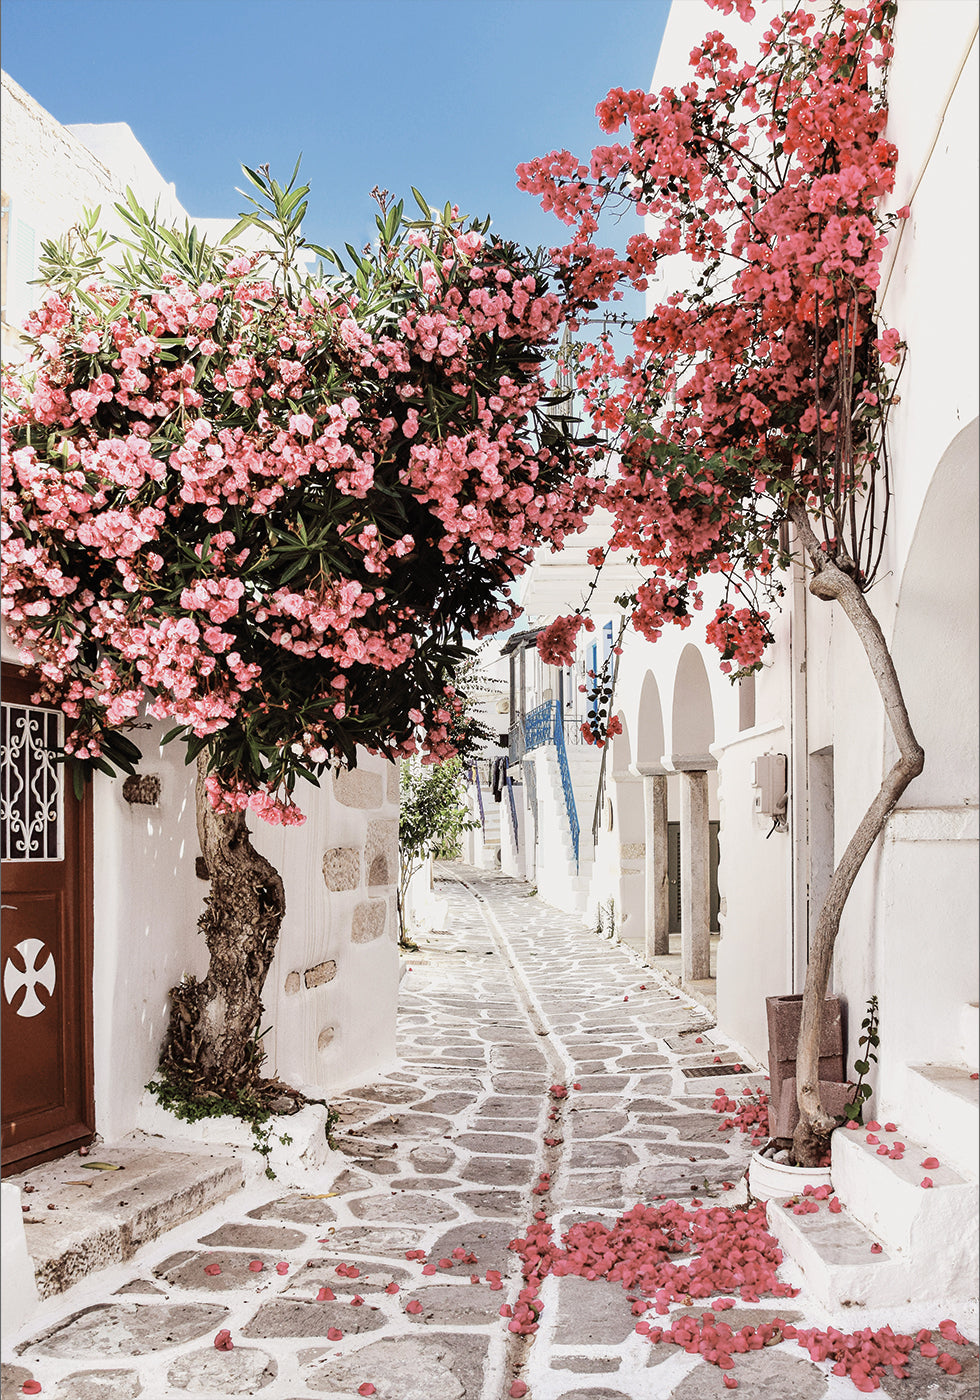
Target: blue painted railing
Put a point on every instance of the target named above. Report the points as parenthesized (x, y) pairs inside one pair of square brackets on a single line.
[(544, 725)]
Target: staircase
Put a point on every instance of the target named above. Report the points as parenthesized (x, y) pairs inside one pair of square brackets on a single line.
[(561, 880), (929, 1236)]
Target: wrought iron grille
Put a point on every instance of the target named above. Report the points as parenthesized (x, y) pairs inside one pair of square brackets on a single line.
[(539, 725), (31, 791)]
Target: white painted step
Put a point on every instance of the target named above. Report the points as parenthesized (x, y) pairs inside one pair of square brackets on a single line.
[(833, 1252), (941, 1104), (928, 1236)]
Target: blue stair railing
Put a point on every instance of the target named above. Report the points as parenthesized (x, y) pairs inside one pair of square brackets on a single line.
[(543, 725)]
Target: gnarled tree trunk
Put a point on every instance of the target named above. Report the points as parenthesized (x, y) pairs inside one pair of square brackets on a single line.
[(213, 1036), (832, 582)]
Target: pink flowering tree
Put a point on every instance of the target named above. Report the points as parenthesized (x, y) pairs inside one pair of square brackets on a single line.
[(272, 508), (755, 397)]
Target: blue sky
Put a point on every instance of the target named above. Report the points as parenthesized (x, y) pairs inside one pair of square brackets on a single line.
[(446, 95)]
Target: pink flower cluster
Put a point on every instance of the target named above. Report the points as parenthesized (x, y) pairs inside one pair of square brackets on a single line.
[(754, 386), (245, 510), (556, 642)]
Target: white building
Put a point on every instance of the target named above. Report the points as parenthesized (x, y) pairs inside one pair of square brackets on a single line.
[(90, 992), (758, 787)]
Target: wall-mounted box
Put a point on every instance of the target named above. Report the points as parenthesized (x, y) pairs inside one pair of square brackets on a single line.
[(769, 780)]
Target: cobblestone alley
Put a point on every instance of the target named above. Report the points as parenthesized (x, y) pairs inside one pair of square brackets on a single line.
[(546, 1079)]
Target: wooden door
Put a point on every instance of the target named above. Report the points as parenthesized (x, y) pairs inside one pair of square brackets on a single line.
[(46, 955)]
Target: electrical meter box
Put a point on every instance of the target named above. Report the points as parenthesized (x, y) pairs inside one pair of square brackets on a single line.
[(769, 781)]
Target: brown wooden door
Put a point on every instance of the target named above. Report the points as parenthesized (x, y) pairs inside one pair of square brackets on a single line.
[(46, 956)]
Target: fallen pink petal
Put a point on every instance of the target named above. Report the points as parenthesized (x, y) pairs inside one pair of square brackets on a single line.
[(223, 1340)]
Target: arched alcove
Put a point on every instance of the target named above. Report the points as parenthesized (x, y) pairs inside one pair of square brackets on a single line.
[(622, 749), (650, 744), (935, 641), (692, 727)]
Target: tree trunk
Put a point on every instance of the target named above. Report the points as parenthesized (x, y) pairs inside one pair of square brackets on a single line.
[(831, 582), (213, 1037)]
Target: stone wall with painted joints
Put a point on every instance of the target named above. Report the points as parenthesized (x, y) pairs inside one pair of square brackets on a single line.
[(331, 994)]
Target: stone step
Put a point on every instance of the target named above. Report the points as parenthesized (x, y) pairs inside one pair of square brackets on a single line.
[(928, 1235), (834, 1255), (943, 1104), (81, 1218), (937, 1225)]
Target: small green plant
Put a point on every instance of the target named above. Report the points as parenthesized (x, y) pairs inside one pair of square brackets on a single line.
[(333, 1118), (432, 818), (179, 1097), (862, 1091)]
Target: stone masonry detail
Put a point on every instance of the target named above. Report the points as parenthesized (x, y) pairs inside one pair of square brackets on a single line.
[(342, 868)]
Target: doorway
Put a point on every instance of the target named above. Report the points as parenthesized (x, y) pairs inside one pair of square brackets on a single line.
[(46, 954)]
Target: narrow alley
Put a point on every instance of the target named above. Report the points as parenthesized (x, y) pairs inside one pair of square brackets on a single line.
[(546, 1080)]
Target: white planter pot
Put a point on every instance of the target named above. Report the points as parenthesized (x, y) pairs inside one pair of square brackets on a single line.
[(769, 1180)]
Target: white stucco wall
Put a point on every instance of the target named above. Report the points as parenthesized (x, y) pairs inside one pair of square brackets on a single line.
[(340, 872), (910, 929), (330, 996), (147, 903)]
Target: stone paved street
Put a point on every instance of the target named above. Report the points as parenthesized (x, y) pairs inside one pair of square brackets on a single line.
[(441, 1157)]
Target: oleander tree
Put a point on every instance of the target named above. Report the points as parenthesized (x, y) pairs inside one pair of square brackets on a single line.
[(756, 395), (273, 507)]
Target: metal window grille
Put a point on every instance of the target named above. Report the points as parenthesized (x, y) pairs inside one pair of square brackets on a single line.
[(31, 785)]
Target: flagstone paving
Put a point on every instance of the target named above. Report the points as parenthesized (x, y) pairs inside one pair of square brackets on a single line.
[(438, 1159)]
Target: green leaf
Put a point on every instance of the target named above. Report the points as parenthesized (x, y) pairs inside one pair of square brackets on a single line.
[(256, 180), (421, 203), (246, 221)]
